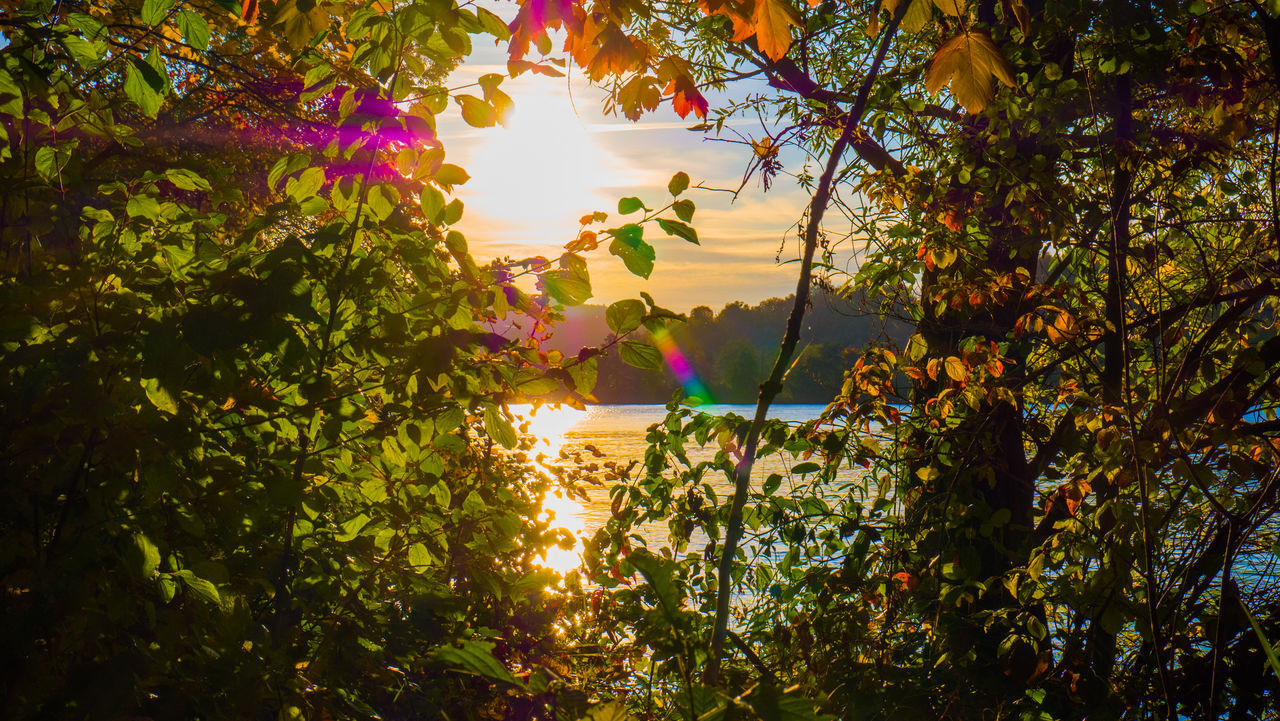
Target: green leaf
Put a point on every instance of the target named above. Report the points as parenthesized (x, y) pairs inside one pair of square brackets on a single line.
[(678, 183), (195, 29), (917, 347), (419, 556), (636, 254), (625, 316), (146, 556), (49, 163), (184, 179), (392, 452), (153, 11), (630, 205), (640, 355), (566, 286), (10, 96), (492, 24), (142, 84), (351, 528), (305, 185), (92, 28), (1272, 659), (610, 711), (143, 206), (684, 210), (771, 484), (450, 175), (199, 587), (85, 52), (928, 473), (584, 375), (476, 657), (381, 201), (432, 202), (499, 428), (537, 385), (159, 396), (476, 112), (660, 573), (679, 230)]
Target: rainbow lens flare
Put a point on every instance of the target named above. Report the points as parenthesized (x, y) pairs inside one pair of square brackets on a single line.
[(694, 388)]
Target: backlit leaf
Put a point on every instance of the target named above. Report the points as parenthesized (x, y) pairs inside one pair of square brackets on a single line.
[(683, 210), (450, 175), (630, 205), (153, 11), (679, 230), (476, 657), (146, 555), (476, 112), (773, 20), (678, 183), (159, 396), (307, 184), (195, 29), (629, 245), (499, 428), (566, 286), (143, 85), (199, 587), (640, 355), (419, 556), (625, 316), (970, 62)]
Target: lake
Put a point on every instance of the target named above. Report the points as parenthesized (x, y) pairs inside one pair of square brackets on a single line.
[(618, 431)]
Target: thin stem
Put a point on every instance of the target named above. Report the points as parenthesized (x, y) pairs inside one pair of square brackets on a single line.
[(771, 387)]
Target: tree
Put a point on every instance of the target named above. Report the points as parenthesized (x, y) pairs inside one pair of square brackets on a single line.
[(1072, 510), (256, 459)]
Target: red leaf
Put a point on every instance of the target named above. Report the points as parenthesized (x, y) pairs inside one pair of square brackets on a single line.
[(687, 98)]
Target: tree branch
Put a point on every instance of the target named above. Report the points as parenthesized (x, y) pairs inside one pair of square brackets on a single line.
[(771, 387)]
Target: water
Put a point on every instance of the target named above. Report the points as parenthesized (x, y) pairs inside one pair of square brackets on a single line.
[(618, 431)]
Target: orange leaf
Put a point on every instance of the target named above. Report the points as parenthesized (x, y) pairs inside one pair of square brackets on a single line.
[(906, 581), (773, 20), (249, 10)]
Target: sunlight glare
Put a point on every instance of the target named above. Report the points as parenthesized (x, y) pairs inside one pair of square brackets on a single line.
[(533, 179), (549, 425)]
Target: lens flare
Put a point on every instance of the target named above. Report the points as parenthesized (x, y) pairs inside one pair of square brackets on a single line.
[(694, 388)]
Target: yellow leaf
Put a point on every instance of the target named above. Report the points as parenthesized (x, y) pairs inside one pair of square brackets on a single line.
[(300, 27), (950, 7), (918, 14), (956, 369), (1019, 12), (773, 20), (1063, 328), (971, 63)]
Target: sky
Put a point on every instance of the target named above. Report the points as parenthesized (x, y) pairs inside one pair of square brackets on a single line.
[(560, 158)]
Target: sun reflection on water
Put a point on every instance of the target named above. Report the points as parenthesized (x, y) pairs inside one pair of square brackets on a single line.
[(550, 424)]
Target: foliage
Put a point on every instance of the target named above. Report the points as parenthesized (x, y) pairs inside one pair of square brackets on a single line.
[(1071, 509), (256, 455), (256, 458)]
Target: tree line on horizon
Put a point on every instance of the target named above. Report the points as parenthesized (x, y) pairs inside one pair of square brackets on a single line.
[(730, 350)]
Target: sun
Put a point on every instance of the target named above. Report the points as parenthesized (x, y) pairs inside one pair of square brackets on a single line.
[(533, 179)]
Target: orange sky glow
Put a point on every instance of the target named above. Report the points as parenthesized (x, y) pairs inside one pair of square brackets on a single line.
[(560, 157)]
